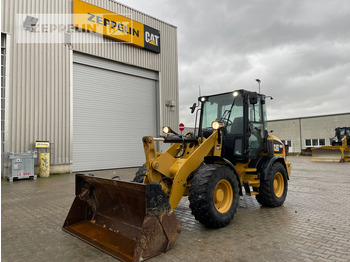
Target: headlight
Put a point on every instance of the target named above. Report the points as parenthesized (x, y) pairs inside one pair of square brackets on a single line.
[(216, 125), (166, 130), (203, 99), (235, 94)]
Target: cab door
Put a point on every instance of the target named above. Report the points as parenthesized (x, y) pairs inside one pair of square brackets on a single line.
[(256, 125), (234, 142)]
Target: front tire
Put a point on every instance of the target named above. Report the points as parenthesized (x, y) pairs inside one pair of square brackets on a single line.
[(214, 195), (273, 191)]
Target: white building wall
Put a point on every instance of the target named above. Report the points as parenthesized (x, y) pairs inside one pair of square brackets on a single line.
[(40, 81), (299, 129)]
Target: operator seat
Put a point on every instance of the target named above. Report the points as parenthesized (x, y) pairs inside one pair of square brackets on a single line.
[(236, 128)]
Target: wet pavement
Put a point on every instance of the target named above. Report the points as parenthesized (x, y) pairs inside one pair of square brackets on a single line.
[(312, 225)]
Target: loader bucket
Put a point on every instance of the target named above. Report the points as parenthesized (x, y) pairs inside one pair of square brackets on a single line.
[(129, 221), (328, 154), (347, 154)]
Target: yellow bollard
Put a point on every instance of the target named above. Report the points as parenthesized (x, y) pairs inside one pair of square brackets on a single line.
[(44, 165)]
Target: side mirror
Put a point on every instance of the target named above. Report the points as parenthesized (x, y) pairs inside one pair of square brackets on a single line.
[(266, 134), (253, 98), (193, 107), (270, 148)]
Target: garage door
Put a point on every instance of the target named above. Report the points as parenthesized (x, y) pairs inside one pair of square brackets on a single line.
[(114, 106)]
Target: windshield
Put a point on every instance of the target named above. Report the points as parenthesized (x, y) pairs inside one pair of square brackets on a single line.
[(225, 108)]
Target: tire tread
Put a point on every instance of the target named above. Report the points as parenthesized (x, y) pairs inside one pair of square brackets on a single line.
[(201, 202), (266, 196)]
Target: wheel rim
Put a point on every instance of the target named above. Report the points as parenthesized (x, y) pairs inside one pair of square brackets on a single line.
[(223, 196), (278, 184)]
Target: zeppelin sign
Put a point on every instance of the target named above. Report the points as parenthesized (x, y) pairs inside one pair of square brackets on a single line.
[(93, 18)]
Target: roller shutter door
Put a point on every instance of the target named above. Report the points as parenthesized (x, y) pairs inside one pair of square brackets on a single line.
[(114, 106)]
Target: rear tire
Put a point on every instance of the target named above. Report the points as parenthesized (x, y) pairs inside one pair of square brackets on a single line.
[(273, 191), (140, 174), (214, 195)]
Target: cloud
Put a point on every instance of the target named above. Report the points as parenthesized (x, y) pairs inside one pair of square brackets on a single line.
[(299, 49)]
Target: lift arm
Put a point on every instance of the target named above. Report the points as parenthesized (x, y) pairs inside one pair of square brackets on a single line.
[(178, 169)]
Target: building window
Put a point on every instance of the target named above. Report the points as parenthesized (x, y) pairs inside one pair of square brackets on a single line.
[(315, 142), (308, 142), (322, 142), (287, 142)]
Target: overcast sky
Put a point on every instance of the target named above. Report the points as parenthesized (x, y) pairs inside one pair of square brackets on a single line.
[(299, 49)]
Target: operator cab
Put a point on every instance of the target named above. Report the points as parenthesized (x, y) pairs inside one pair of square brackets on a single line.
[(243, 116), (340, 132)]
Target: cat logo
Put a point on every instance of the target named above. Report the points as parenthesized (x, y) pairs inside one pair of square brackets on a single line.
[(117, 27), (277, 147), (152, 39)]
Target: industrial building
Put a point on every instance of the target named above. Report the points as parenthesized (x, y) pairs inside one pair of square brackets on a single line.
[(304, 132), (89, 77)]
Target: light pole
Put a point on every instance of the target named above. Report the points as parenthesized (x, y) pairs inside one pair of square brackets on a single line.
[(258, 80)]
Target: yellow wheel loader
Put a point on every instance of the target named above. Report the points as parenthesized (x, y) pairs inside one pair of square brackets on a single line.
[(231, 150), (339, 151)]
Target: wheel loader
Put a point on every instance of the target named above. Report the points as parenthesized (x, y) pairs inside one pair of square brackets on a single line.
[(339, 151), (230, 153)]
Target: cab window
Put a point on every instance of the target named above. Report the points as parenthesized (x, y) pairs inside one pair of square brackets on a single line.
[(255, 127)]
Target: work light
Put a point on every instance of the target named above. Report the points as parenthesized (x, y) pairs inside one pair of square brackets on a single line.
[(166, 130), (216, 125), (203, 99)]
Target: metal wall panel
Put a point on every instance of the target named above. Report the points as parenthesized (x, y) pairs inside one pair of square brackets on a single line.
[(112, 112), (299, 129), (165, 62), (38, 101), (113, 66), (39, 104)]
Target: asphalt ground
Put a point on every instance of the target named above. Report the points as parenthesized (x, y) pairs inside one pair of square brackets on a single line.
[(312, 225)]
